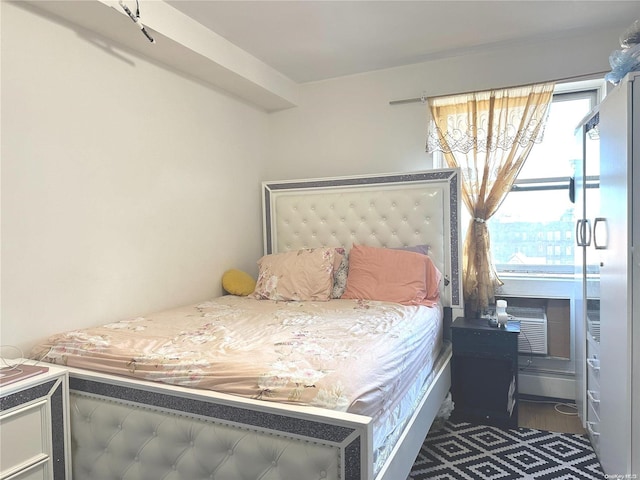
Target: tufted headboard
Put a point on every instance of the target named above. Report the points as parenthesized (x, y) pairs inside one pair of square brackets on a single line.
[(390, 210)]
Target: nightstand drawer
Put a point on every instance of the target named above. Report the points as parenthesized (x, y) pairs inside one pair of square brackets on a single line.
[(34, 428), (480, 341), (23, 436), (37, 472)]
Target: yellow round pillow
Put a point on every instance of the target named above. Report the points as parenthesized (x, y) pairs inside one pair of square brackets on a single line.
[(237, 282)]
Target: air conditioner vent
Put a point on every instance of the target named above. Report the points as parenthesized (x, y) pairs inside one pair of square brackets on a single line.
[(533, 329), (527, 312)]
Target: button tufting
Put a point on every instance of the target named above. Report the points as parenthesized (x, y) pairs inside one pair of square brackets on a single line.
[(230, 452), (323, 474)]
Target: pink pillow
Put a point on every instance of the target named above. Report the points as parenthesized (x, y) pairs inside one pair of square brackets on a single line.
[(297, 275), (390, 275)]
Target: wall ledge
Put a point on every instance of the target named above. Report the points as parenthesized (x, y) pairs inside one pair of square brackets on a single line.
[(183, 44)]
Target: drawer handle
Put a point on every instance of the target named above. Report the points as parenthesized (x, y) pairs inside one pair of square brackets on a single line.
[(590, 426), (593, 396), (594, 364)]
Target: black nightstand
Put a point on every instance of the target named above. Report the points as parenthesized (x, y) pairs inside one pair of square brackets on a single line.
[(484, 372)]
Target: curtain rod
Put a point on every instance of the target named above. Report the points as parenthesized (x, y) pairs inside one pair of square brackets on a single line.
[(423, 98)]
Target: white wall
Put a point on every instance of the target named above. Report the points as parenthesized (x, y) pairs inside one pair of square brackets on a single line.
[(126, 187), (346, 125)]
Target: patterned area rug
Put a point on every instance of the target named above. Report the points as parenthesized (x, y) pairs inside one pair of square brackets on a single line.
[(472, 452)]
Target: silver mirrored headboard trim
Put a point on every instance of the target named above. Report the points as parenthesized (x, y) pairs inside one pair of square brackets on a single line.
[(446, 179)]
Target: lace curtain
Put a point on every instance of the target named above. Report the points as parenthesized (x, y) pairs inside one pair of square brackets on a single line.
[(489, 136)]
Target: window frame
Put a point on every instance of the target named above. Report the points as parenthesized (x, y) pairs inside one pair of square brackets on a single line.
[(546, 184), (591, 89)]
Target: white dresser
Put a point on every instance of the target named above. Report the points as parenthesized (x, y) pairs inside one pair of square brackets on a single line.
[(34, 428)]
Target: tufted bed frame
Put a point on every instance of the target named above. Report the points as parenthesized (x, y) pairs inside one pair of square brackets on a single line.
[(144, 430)]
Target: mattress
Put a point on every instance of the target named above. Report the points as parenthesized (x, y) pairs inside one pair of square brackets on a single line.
[(348, 355)]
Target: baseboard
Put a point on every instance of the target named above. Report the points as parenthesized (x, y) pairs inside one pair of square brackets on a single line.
[(547, 385)]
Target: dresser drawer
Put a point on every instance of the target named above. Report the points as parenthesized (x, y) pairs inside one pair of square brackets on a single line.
[(481, 341), (23, 436), (593, 429), (34, 424), (593, 371), (593, 399), (37, 472)]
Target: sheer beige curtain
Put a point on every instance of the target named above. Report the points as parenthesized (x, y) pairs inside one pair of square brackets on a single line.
[(489, 136)]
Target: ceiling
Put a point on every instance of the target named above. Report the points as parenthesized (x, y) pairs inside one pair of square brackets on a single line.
[(308, 40)]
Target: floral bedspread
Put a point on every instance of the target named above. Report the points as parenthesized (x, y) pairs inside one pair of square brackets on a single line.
[(348, 355)]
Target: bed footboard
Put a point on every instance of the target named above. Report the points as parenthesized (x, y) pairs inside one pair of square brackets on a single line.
[(133, 430), (112, 440), (131, 433)]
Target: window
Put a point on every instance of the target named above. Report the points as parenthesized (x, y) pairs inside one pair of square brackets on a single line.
[(532, 231)]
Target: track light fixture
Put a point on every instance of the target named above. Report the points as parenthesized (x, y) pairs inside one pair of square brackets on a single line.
[(136, 19)]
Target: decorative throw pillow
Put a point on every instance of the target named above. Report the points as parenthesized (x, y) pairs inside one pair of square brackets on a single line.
[(237, 282), (340, 275), (433, 274), (391, 275), (298, 275)]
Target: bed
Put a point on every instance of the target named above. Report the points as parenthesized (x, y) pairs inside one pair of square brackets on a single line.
[(306, 417)]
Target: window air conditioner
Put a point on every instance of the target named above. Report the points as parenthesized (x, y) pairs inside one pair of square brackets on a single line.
[(533, 329)]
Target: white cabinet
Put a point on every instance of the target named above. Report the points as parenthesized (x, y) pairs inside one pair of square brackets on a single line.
[(587, 294), (618, 405), (34, 430)]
